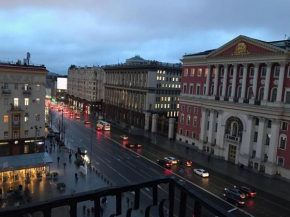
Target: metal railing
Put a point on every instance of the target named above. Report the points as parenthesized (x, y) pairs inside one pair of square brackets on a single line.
[(234, 138), (15, 108), (6, 91), (184, 193), (27, 91)]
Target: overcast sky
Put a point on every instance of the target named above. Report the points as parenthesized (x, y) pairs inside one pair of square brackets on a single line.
[(59, 33)]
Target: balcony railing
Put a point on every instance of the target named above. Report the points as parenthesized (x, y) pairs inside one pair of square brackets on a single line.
[(15, 108), (28, 92), (202, 203), (6, 91), (15, 123), (233, 138)]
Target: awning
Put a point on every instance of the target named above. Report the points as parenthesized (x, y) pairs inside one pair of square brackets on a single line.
[(16, 162)]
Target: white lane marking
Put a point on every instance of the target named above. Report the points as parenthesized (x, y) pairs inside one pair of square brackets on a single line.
[(96, 162), (131, 164), (145, 173), (158, 173), (108, 160), (147, 189), (233, 209)]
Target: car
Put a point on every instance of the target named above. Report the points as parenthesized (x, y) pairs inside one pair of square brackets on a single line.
[(236, 192), (185, 162), (51, 135), (173, 160), (201, 172), (249, 192), (87, 122), (164, 163), (71, 114), (233, 197), (133, 145), (82, 150), (78, 116), (51, 107), (124, 137), (65, 112)]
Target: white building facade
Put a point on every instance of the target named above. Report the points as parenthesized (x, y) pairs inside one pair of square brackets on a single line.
[(85, 88), (235, 104), (22, 100)]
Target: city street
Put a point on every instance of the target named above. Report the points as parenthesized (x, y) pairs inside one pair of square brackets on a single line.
[(123, 166)]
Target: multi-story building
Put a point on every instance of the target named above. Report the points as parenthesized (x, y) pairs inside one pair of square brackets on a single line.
[(51, 81), (138, 88), (235, 103), (85, 88)]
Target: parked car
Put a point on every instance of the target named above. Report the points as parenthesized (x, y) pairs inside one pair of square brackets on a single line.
[(124, 137), (133, 145), (82, 150), (201, 172), (237, 192), (164, 163), (233, 197), (249, 192), (173, 160), (185, 162)]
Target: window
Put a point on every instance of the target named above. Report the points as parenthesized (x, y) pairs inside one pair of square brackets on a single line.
[(198, 89), (187, 133), (168, 99), (182, 108), (241, 72), (194, 121), (277, 72), (6, 135), (221, 90), (216, 127), (267, 139), (280, 161), (37, 87), (195, 110), (180, 131), (26, 133), (185, 72), (16, 101), (15, 134), (5, 119), (199, 72), (184, 88), (213, 72), (252, 71), (37, 117), (263, 72), (222, 72), (230, 90), (282, 142), (191, 88), (5, 101), (250, 93), (16, 86), (193, 135), (284, 125), (212, 89), (205, 72), (204, 87), (189, 109), (26, 118), (231, 72), (269, 124), (287, 97), (253, 153), (26, 101), (261, 93), (239, 91), (288, 73), (257, 122), (274, 95), (255, 136), (37, 100), (192, 72), (182, 119)]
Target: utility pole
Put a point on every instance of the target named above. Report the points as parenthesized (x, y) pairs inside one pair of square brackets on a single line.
[(91, 146)]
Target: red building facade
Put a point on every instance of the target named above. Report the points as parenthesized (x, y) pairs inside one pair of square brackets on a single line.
[(235, 103)]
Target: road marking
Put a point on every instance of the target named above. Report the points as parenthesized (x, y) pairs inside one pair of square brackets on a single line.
[(147, 189), (108, 160), (233, 209), (131, 164), (96, 162), (145, 173)]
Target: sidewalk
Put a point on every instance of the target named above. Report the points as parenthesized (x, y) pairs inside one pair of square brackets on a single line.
[(274, 186)]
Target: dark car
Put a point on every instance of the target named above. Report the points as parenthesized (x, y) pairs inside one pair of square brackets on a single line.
[(185, 162), (164, 163), (87, 122), (133, 145), (233, 197), (237, 192), (51, 135), (249, 192), (82, 150)]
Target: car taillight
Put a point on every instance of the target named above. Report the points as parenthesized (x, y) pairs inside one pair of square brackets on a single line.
[(253, 194), (241, 202), (167, 164)]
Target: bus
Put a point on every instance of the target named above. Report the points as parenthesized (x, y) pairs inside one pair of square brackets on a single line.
[(103, 125)]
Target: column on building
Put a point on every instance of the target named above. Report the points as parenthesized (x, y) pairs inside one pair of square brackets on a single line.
[(220, 134), (272, 151), (255, 81), (202, 128), (261, 140), (244, 83), (267, 82), (208, 80), (211, 127), (147, 121), (216, 80), (171, 128), (234, 81), (247, 141), (281, 82), (154, 123), (225, 79)]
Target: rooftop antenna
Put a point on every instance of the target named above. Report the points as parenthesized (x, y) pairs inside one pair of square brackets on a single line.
[(28, 58)]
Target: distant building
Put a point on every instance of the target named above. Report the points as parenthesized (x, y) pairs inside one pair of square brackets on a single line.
[(235, 103), (86, 88), (51, 81), (140, 88)]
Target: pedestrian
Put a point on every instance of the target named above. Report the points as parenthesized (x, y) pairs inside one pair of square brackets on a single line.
[(58, 159), (88, 211), (64, 164), (128, 201), (105, 199), (76, 154), (208, 158), (84, 209), (69, 156)]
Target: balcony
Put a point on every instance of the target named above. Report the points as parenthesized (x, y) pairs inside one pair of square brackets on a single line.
[(27, 92), (15, 124), (204, 204), (15, 108), (6, 91), (233, 138)]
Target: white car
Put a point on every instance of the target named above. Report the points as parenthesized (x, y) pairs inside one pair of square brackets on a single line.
[(201, 172), (172, 160)]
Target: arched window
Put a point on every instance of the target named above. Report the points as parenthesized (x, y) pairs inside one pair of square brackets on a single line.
[(234, 129), (274, 94), (212, 89), (182, 118), (239, 91), (221, 90), (230, 90), (188, 119), (282, 141), (250, 93), (261, 94)]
